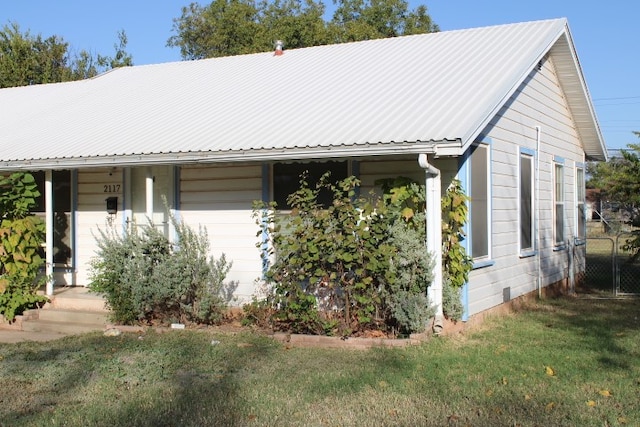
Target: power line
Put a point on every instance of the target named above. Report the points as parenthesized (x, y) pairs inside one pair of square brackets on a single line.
[(616, 98)]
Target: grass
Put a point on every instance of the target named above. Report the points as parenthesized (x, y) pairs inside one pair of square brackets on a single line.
[(564, 362)]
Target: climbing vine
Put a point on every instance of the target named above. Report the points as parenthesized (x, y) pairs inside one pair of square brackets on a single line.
[(21, 236), (455, 261)]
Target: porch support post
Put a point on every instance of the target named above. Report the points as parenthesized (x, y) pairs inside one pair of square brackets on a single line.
[(433, 184), (48, 202), (149, 193)]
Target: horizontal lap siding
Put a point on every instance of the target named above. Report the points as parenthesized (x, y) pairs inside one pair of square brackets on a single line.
[(538, 102), (219, 197), (92, 216)]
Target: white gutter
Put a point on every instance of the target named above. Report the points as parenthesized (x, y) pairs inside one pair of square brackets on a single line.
[(537, 213), (434, 237), (258, 155)]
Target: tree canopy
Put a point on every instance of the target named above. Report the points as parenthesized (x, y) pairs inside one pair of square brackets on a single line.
[(232, 27), (27, 59), (619, 178)]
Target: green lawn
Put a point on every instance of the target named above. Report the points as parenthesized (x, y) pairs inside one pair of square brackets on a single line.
[(566, 362)]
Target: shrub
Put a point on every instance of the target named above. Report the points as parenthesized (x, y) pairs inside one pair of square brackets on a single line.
[(452, 301), (145, 278), (412, 267), (21, 237), (341, 269)]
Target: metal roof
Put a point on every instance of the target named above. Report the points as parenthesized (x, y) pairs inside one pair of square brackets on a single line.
[(422, 93)]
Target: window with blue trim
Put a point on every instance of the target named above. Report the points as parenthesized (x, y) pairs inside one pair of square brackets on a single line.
[(558, 200), (479, 201), (526, 202), (581, 224)]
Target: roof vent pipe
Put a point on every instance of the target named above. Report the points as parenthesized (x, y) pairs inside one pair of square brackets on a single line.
[(279, 47)]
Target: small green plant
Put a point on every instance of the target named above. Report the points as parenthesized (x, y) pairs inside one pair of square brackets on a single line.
[(21, 237), (145, 278)]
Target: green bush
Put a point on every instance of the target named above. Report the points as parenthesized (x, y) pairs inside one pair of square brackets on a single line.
[(146, 279), (342, 269), (21, 238), (452, 301), (412, 267)]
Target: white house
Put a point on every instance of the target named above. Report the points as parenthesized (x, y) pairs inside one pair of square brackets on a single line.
[(505, 109)]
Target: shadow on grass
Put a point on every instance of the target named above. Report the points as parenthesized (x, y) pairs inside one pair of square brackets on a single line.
[(129, 381), (598, 321)]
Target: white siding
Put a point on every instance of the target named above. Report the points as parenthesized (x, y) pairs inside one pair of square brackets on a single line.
[(538, 102), (220, 198), (91, 215)]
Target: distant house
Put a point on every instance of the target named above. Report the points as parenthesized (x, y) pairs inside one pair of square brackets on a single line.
[(505, 109)]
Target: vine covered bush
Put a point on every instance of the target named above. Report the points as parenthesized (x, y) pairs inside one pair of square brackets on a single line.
[(360, 263), (456, 264), (147, 279), (341, 269), (21, 238)]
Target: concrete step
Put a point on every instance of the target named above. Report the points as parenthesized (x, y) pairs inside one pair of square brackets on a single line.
[(73, 316), (76, 298), (62, 328)]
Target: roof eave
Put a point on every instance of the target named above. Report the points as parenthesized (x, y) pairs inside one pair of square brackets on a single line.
[(254, 155)]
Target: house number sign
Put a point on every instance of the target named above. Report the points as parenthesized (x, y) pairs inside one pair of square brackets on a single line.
[(111, 188)]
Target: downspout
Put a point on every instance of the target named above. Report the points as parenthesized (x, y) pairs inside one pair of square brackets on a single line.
[(48, 202), (434, 237), (537, 213)]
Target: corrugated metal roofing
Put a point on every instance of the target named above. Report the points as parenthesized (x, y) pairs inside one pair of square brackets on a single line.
[(414, 93)]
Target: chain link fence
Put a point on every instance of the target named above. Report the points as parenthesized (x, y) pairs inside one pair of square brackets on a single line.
[(627, 269), (609, 266)]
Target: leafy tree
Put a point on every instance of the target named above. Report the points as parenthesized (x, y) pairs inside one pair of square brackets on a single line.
[(26, 59), (356, 20), (121, 58), (232, 27), (619, 178), (619, 181)]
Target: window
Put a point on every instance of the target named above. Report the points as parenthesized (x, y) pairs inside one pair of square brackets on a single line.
[(286, 179), (526, 202), (62, 215), (479, 203), (558, 199), (581, 225)]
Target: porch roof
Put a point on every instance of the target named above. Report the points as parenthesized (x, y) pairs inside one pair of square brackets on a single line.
[(414, 94)]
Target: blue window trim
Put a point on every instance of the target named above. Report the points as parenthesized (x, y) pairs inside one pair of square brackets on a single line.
[(533, 250), (464, 178), (580, 241), (483, 263), (559, 246), (528, 151), (528, 254)]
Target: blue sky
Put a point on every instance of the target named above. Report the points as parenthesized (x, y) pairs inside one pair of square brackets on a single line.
[(606, 38)]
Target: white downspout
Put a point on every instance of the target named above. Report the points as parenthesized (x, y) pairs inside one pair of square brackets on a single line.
[(48, 212), (434, 237), (537, 213)]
